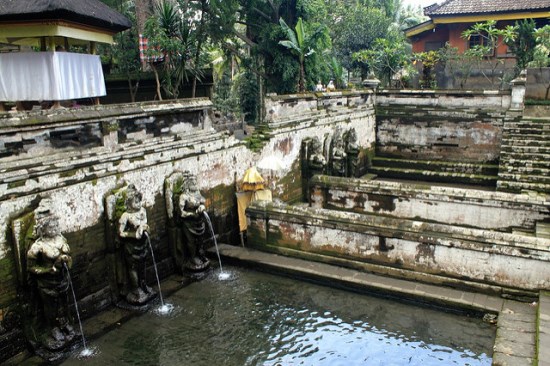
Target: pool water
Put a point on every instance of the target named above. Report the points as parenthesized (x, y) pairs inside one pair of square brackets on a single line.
[(262, 319)]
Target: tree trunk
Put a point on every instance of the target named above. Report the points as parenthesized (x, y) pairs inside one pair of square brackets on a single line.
[(302, 85), (133, 89), (159, 94)]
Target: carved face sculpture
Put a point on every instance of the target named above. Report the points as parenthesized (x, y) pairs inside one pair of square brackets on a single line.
[(352, 136), (48, 226), (191, 184), (316, 146), (133, 199)]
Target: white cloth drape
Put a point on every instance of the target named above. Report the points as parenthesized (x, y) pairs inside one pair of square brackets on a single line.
[(50, 76)]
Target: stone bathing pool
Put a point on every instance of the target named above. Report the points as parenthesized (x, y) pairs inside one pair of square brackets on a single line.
[(262, 319)]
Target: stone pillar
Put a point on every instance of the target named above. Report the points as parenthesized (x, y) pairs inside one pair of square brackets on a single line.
[(518, 91), (110, 134), (371, 82)]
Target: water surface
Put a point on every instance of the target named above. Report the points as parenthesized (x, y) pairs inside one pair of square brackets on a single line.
[(261, 319)]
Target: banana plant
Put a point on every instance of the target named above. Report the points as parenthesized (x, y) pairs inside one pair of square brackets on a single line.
[(302, 44)]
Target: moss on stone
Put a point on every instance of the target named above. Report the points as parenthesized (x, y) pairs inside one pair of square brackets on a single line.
[(259, 137), (220, 198), (120, 204), (16, 184), (68, 173)]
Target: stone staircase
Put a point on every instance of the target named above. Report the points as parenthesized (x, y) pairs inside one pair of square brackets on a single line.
[(525, 156), (435, 171)]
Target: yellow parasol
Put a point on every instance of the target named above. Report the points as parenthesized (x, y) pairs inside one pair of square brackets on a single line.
[(252, 180)]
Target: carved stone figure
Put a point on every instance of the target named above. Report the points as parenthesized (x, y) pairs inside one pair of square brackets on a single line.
[(316, 161), (352, 152), (191, 210), (338, 159), (132, 229), (48, 262)]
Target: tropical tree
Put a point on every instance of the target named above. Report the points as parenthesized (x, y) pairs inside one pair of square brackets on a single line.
[(523, 43), (490, 39), (541, 55), (387, 57), (302, 44), (355, 28), (171, 34), (125, 51)]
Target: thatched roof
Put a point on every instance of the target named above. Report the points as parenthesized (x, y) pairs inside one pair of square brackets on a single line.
[(88, 12)]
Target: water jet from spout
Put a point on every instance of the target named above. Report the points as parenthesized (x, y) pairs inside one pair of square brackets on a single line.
[(222, 276)]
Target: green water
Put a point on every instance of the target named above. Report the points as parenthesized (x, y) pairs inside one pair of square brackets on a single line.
[(260, 319)]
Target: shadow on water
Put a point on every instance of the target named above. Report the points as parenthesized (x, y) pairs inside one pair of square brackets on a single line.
[(261, 319)]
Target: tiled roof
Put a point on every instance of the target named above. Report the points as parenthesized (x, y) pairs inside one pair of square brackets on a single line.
[(459, 7), (89, 12)]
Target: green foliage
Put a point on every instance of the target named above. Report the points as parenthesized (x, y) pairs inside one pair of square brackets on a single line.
[(125, 51), (491, 38), (410, 16), (355, 29), (429, 60), (247, 85), (337, 73), (523, 42), (387, 57), (259, 138), (541, 54), (459, 65), (174, 43), (302, 44), (281, 70)]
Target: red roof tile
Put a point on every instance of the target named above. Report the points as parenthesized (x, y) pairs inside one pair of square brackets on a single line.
[(461, 7)]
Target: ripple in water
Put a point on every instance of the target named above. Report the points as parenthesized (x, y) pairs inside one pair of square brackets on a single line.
[(261, 320), (226, 276), (164, 310), (87, 352)]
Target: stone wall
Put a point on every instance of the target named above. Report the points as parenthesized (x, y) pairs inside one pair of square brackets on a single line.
[(409, 248), (444, 126), (481, 209), (141, 144), (538, 84)]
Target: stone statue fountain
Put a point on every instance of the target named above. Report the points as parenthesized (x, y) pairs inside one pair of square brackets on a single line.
[(338, 156), (45, 260), (186, 207), (128, 228), (352, 152)]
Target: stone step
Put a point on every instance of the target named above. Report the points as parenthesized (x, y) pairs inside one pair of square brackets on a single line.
[(542, 142), (433, 176), (524, 156), (436, 166), (526, 149), (529, 123), (524, 170), (512, 186), (525, 131), (511, 163), (523, 136), (527, 178)]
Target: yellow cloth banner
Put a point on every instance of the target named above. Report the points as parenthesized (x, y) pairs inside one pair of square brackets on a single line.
[(243, 201)]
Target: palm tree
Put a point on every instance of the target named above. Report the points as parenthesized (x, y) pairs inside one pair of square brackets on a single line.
[(302, 44)]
